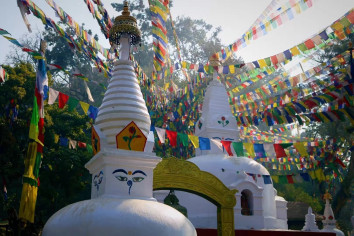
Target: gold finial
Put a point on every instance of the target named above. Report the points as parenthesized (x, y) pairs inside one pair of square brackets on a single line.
[(214, 62), (327, 195), (125, 24), (126, 11)]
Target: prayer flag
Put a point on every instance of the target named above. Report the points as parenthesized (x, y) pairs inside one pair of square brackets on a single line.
[(161, 134), (305, 176), (85, 106), (92, 112), (300, 147), (204, 143), (183, 138), (269, 149), (250, 149), (218, 144), (63, 99), (238, 147), (72, 103), (172, 136), (53, 94), (267, 179), (259, 150), (227, 146), (194, 140)]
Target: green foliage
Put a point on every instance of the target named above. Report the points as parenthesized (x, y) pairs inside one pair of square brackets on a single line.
[(297, 194), (63, 178)]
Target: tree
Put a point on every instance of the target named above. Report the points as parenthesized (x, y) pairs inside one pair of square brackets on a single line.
[(342, 132), (296, 192), (63, 178)]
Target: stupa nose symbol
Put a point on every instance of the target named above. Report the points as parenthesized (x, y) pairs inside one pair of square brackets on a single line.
[(130, 184)]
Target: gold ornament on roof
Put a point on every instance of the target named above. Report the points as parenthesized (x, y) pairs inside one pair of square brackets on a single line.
[(125, 24), (327, 195), (214, 62)]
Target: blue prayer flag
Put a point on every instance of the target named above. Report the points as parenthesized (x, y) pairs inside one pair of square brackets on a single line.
[(204, 143), (267, 179)]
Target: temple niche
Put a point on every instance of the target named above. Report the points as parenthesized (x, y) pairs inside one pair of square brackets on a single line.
[(258, 206)]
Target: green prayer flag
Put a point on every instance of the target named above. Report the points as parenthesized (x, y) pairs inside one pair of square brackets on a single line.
[(286, 145), (283, 179), (33, 131), (89, 148), (267, 60), (183, 138), (302, 47), (72, 103), (238, 147)]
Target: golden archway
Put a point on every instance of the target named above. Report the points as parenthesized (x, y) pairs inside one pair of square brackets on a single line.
[(172, 173)]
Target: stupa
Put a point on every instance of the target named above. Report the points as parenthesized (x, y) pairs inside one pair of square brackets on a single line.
[(310, 222), (258, 206), (122, 172), (329, 222)]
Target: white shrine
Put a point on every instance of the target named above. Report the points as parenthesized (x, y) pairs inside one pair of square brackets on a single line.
[(310, 222), (329, 222), (121, 197), (258, 206)]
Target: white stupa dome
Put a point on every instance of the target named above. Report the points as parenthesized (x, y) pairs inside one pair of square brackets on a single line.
[(131, 217), (229, 169), (257, 206)]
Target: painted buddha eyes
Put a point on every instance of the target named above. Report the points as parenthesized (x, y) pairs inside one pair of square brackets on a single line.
[(121, 178), (137, 179), (129, 177)]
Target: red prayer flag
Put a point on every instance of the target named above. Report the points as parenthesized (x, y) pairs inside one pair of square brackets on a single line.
[(290, 179), (172, 136), (81, 145), (279, 150), (227, 146), (350, 17), (309, 44), (63, 99)]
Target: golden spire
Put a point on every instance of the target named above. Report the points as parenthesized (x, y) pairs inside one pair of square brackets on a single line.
[(327, 195), (125, 24)]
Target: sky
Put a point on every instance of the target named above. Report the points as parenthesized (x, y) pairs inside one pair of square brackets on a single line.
[(233, 16)]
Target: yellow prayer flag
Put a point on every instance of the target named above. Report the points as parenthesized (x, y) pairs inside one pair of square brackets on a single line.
[(294, 51), (167, 85), (84, 106), (275, 178), (300, 147), (232, 69), (337, 26), (56, 138), (268, 26), (262, 63), (184, 64), (320, 175), (28, 202), (312, 174), (29, 192), (250, 149), (195, 140)]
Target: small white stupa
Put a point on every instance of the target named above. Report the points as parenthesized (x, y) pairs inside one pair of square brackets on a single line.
[(122, 173), (257, 204), (329, 222), (310, 222)]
